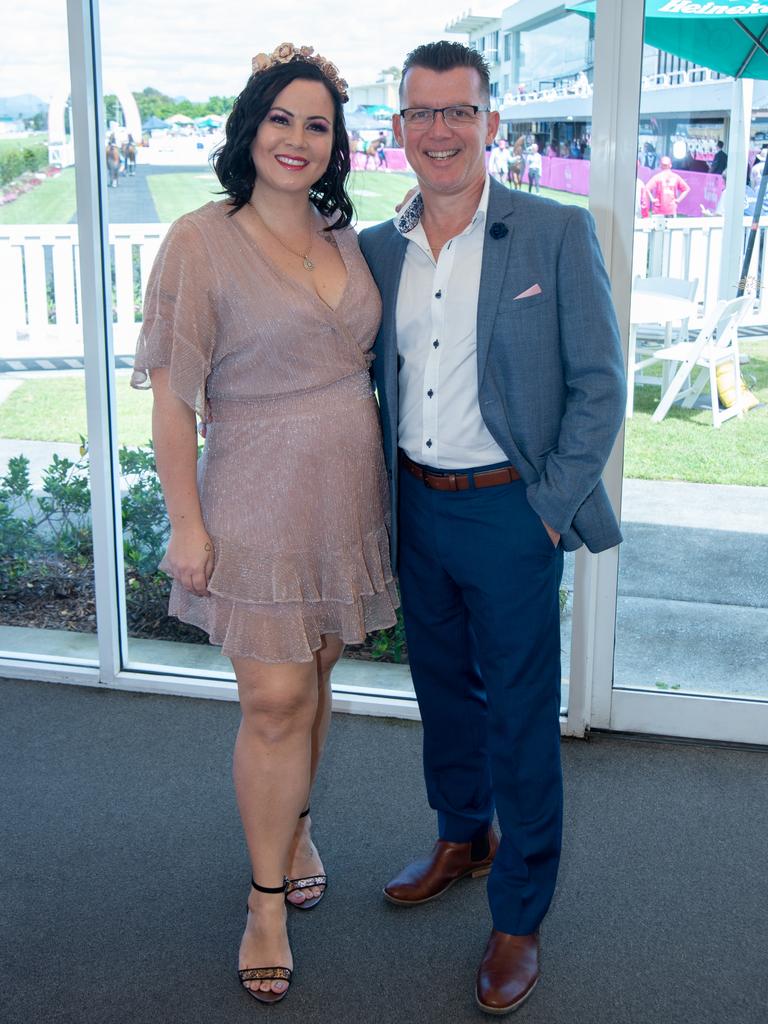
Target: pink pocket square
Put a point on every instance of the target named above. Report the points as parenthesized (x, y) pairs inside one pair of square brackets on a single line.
[(533, 290)]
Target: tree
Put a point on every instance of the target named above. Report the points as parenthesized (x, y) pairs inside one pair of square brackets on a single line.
[(153, 103), (393, 72), (113, 110)]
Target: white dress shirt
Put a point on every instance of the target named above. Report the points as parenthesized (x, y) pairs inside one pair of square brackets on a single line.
[(436, 320)]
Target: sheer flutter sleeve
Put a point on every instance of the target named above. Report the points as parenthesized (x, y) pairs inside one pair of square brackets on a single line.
[(179, 325)]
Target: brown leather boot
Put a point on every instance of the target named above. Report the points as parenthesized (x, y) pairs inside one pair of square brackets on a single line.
[(508, 973), (427, 879)]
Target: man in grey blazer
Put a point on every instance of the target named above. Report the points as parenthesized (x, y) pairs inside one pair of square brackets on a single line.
[(501, 383)]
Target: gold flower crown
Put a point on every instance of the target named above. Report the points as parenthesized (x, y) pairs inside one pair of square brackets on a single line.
[(287, 52)]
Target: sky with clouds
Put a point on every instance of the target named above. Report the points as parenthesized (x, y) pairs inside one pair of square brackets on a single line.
[(196, 48)]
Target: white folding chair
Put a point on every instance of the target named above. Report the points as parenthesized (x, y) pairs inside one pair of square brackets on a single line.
[(642, 353), (716, 343)]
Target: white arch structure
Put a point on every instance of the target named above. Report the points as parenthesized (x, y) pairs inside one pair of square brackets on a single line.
[(60, 147)]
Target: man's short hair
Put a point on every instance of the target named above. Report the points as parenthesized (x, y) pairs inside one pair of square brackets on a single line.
[(443, 56)]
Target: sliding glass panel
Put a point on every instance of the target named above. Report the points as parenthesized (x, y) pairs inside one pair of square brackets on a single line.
[(47, 608), (693, 585), (167, 96)]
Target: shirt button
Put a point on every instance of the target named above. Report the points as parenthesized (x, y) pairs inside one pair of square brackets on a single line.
[(435, 343), (430, 393), (429, 442), (439, 293)]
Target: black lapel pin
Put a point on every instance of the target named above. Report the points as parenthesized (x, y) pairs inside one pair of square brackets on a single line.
[(498, 230)]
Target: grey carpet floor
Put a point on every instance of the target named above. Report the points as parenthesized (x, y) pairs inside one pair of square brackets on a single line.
[(124, 877)]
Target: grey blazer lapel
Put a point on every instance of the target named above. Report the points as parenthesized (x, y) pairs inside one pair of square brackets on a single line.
[(389, 266), (496, 252)]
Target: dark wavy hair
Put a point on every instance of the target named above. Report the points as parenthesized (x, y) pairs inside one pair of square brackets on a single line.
[(232, 160)]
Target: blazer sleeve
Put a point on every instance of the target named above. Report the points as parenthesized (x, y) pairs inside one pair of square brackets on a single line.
[(593, 366)]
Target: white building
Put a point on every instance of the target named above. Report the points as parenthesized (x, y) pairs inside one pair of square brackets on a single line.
[(542, 62)]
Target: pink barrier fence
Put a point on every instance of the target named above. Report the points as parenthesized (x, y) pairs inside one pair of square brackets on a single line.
[(573, 176), (705, 190), (566, 175)]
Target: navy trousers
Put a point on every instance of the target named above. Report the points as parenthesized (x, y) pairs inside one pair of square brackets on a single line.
[(479, 581)]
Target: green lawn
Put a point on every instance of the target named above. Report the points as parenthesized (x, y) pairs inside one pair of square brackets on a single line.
[(684, 446), (53, 409), (174, 194), (52, 202), (374, 194), (35, 139)]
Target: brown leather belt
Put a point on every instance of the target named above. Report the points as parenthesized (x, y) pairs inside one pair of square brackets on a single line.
[(447, 481)]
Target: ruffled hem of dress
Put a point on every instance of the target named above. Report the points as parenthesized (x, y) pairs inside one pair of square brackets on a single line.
[(280, 633), (360, 569)]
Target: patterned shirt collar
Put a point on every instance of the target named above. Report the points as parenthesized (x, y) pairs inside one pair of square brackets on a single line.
[(411, 215)]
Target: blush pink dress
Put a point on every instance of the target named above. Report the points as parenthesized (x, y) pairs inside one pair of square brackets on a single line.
[(291, 480)]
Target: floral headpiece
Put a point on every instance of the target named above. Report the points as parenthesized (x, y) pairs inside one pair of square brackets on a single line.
[(287, 52)]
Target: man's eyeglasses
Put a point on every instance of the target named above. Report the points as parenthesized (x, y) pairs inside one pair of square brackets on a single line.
[(461, 114)]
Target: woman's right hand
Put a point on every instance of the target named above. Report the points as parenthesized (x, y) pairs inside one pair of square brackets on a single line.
[(190, 559)]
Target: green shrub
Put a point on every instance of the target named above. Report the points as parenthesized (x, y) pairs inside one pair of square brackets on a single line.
[(14, 161)]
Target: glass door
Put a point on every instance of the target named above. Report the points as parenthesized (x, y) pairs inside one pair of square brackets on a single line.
[(692, 598)]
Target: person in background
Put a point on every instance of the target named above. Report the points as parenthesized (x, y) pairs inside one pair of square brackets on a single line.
[(650, 157), (534, 168), (499, 160), (755, 173), (381, 152), (667, 189), (642, 197), (719, 160)]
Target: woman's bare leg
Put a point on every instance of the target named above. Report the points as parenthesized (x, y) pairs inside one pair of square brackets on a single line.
[(271, 767), (304, 858)]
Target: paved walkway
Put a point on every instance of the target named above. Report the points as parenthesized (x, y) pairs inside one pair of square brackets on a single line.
[(131, 202)]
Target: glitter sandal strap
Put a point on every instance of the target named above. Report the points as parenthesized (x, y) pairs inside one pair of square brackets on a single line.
[(265, 974), (307, 882)]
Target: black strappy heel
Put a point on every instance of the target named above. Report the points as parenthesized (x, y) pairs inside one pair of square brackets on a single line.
[(306, 883), (266, 973)]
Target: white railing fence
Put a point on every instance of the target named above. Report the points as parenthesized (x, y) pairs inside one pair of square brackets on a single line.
[(40, 298), (40, 291)]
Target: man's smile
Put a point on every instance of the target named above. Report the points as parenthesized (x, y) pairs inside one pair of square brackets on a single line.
[(441, 154)]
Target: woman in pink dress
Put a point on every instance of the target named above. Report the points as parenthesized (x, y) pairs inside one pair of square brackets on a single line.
[(259, 316)]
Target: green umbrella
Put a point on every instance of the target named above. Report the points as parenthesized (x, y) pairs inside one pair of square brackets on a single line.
[(727, 36)]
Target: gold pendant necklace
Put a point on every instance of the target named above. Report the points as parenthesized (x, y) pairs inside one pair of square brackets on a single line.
[(306, 262)]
